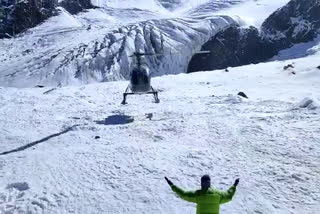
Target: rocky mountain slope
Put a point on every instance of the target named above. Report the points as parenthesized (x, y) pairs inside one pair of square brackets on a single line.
[(296, 22), (95, 46), (232, 47), (18, 16)]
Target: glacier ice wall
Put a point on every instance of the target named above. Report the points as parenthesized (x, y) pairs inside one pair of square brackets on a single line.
[(96, 46), (108, 58)]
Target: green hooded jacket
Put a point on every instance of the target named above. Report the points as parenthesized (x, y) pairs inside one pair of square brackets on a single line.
[(208, 202)]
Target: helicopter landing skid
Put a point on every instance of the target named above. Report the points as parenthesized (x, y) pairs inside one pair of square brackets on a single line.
[(154, 92)]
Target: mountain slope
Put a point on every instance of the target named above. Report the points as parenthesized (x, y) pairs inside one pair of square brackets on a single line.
[(296, 22), (94, 46)]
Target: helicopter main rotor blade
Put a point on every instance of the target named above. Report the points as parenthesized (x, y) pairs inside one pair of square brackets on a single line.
[(203, 52), (199, 52), (145, 54), (138, 54)]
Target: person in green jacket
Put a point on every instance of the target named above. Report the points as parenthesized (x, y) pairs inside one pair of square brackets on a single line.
[(208, 200)]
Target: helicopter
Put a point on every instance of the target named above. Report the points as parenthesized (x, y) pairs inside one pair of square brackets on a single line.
[(140, 77)]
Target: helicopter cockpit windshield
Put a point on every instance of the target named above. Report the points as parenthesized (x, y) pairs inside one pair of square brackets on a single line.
[(140, 79)]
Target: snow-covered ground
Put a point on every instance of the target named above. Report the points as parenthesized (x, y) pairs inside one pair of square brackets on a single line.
[(77, 150), (52, 163)]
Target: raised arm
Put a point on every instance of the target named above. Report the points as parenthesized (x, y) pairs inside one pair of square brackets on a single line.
[(228, 195), (189, 196), (185, 195)]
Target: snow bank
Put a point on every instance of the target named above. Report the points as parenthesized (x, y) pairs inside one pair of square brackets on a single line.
[(306, 103)]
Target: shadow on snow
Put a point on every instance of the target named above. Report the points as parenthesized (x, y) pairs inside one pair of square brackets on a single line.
[(29, 145), (116, 120)]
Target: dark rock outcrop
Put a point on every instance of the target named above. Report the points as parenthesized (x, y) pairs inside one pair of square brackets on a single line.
[(297, 22), (242, 94), (18, 16), (76, 6), (233, 47), (286, 67)]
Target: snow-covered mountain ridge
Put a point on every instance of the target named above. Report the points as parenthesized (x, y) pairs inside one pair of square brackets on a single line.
[(94, 46), (295, 23)]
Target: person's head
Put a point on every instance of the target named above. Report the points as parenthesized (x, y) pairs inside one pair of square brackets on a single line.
[(205, 182)]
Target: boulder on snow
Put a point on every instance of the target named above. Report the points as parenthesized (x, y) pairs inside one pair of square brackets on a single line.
[(318, 67), (286, 67), (242, 94), (305, 103)]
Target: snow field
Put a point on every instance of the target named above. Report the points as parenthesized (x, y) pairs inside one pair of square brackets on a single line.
[(199, 127)]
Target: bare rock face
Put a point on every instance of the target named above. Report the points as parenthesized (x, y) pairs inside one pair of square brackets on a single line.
[(242, 94), (233, 47), (76, 6), (17, 16), (297, 22)]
